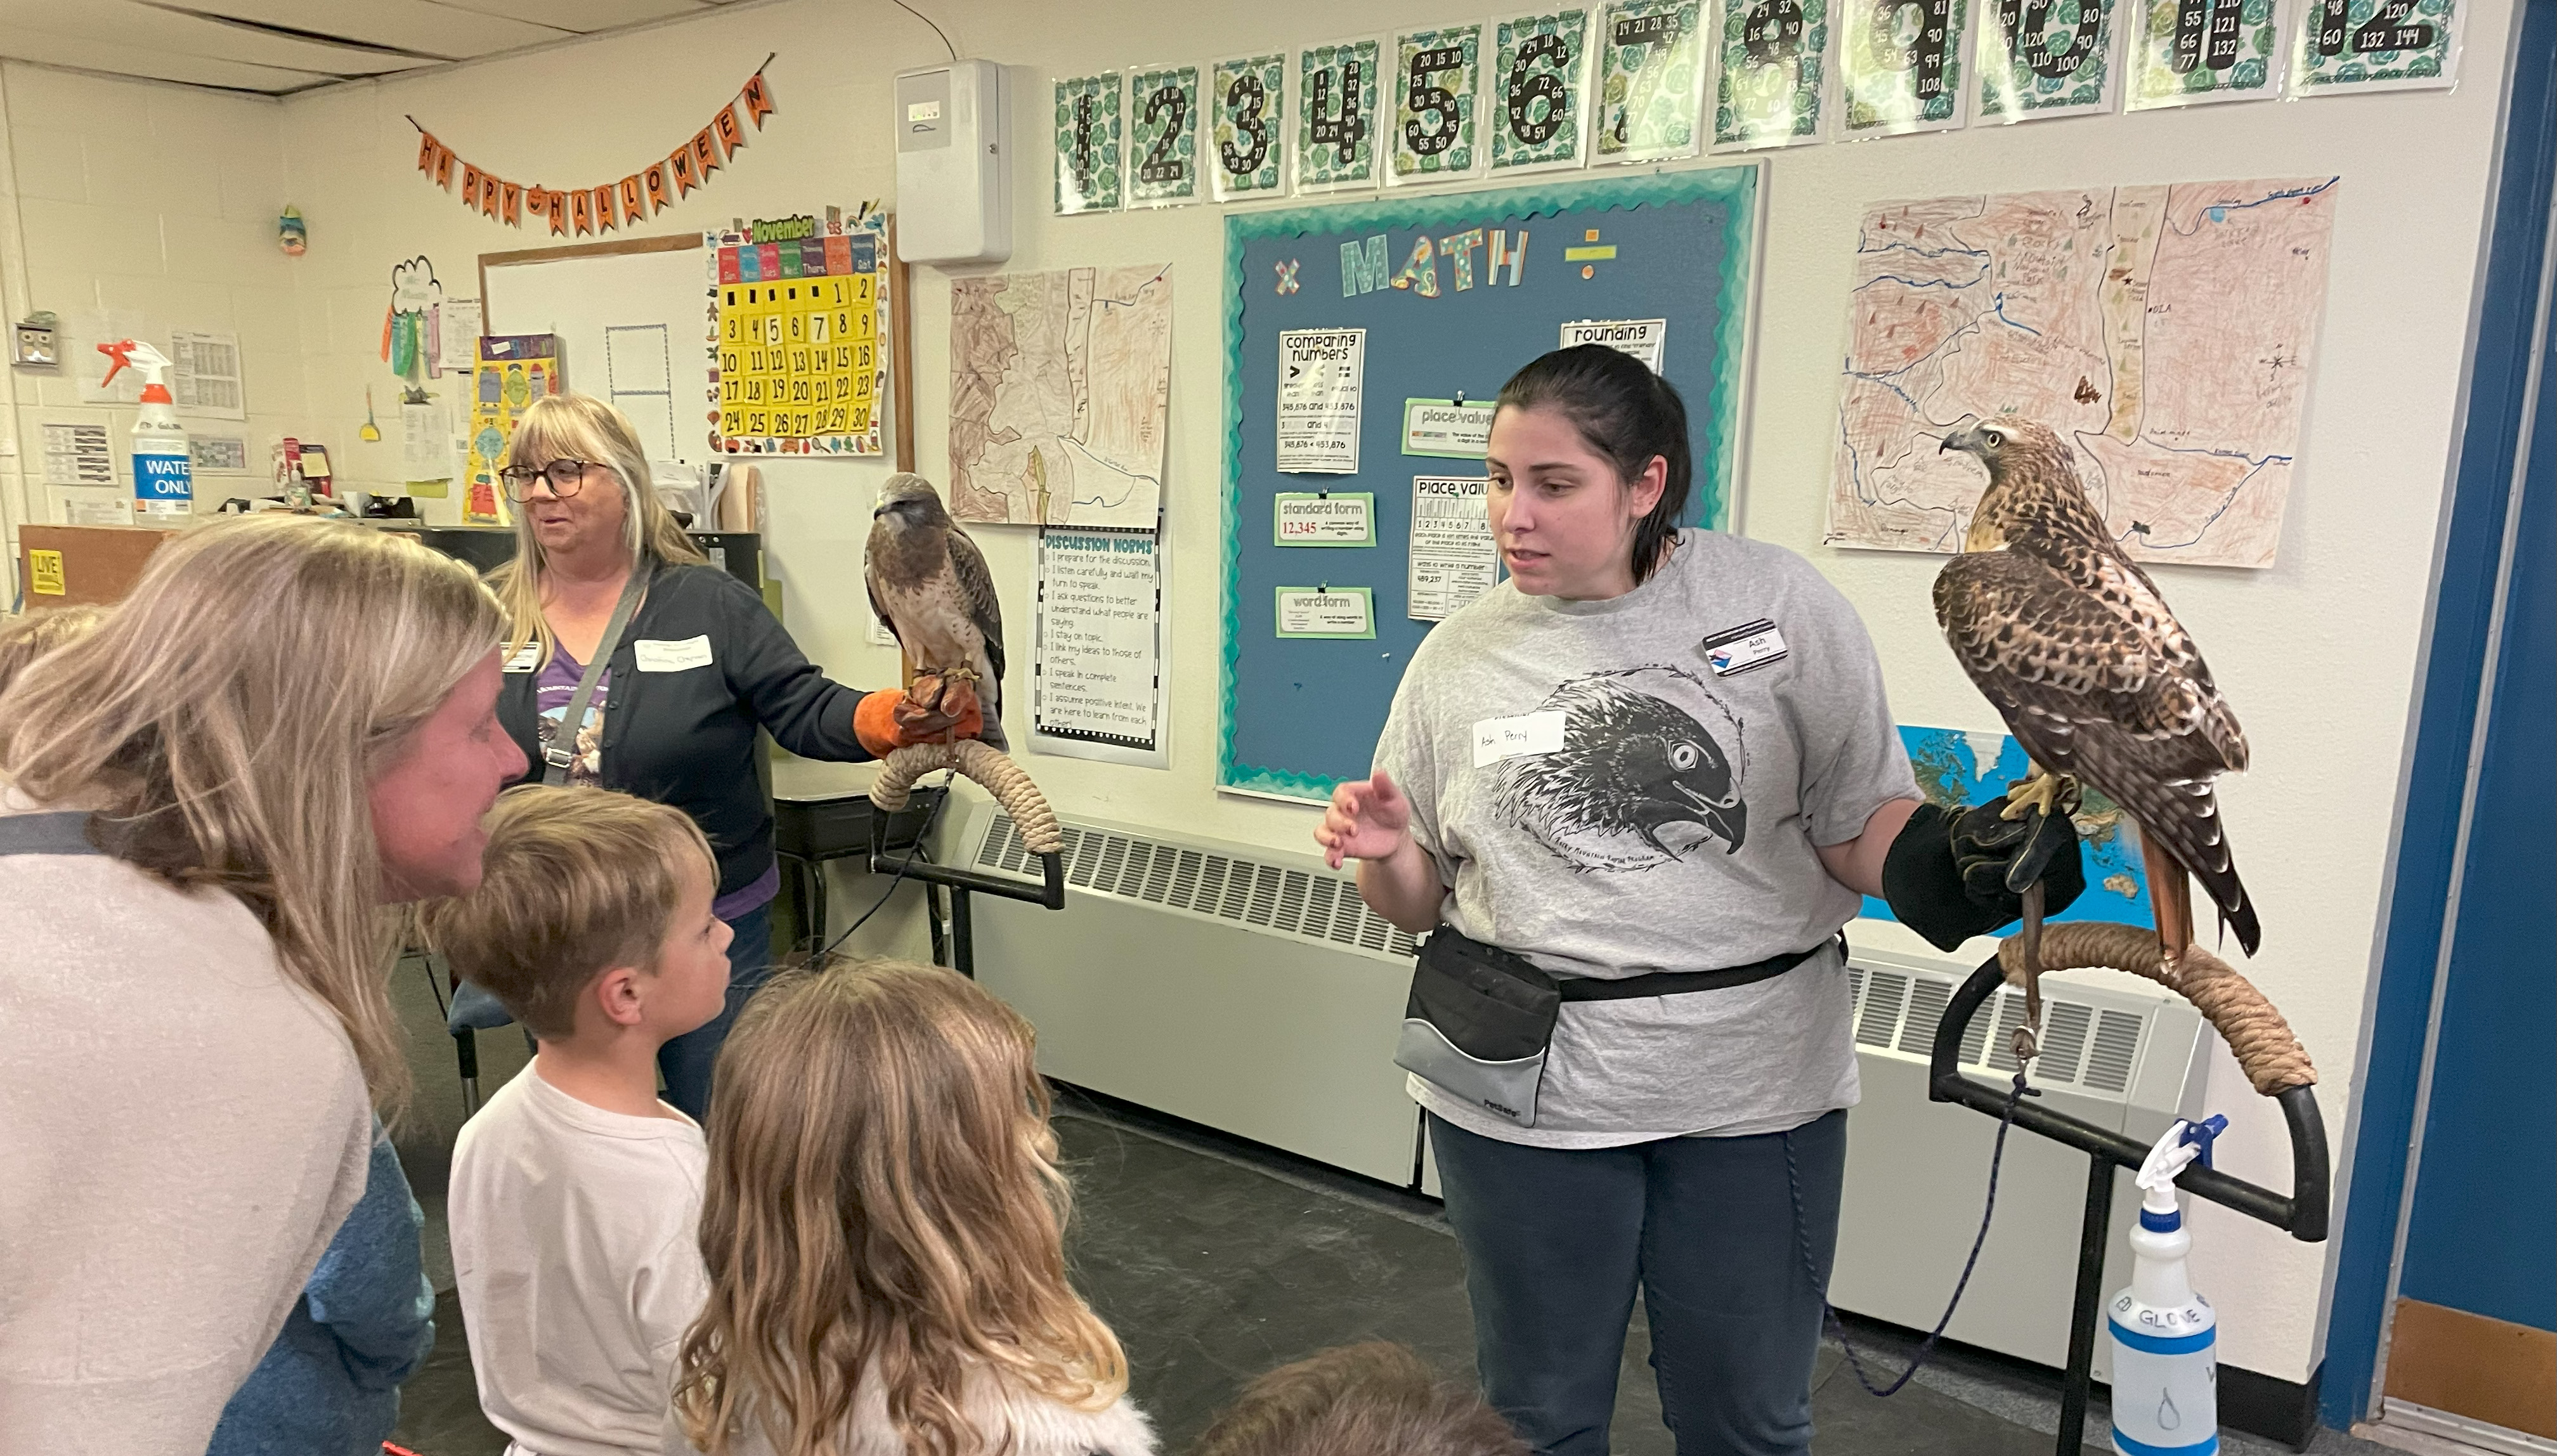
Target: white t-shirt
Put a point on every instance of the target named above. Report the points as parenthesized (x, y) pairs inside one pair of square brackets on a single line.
[(1662, 813), (575, 1255), (182, 1130)]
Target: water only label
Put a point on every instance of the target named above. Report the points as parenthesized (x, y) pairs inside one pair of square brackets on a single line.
[(162, 484)]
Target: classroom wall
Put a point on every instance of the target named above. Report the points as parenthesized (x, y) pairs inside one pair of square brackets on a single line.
[(2318, 653), (157, 205)]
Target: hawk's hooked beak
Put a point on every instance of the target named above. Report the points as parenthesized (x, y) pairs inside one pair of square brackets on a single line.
[(1966, 439)]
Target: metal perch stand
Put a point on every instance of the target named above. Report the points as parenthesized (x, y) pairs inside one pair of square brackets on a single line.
[(2262, 1041), (1012, 787)]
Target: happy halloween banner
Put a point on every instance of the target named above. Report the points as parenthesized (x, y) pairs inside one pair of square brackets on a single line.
[(653, 189)]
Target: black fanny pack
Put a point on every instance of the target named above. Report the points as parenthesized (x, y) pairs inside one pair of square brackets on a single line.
[(1480, 1018)]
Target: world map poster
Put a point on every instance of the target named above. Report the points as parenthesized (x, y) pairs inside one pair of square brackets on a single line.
[(1957, 769), (1059, 395), (2169, 331)]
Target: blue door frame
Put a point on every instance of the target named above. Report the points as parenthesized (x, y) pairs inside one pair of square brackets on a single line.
[(2492, 437)]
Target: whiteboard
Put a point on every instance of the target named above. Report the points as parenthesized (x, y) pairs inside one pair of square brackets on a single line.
[(635, 329)]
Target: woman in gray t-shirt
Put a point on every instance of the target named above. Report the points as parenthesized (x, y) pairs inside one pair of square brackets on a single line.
[(1651, 749)]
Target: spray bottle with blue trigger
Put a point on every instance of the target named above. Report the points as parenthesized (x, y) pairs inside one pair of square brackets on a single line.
[(2166, 1365)]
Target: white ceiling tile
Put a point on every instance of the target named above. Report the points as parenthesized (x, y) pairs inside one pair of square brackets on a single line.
[(117, 57), (420, 26), (130, 23), (583, 15)]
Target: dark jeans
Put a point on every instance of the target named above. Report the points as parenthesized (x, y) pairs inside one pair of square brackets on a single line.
[(685, 1062), (1556, 1241)]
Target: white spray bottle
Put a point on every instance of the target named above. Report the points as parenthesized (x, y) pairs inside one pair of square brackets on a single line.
[(2166, 1365), (163, 481)]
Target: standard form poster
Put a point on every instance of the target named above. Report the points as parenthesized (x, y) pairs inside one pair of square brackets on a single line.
[(1322, 374), (1097, 667), (1452, 556)]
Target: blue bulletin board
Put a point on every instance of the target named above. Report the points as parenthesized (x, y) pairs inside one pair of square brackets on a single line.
[(1302, 714)]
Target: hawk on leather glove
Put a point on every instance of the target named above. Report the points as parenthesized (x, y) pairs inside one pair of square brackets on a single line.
[(929, 583), (2059, 630)]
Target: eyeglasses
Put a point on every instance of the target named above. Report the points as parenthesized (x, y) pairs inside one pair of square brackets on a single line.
[(565, 477)]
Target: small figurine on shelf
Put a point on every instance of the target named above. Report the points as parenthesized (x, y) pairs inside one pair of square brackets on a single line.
[(290, 235)]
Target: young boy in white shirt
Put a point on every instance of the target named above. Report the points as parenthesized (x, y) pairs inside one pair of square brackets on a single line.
[(575, 1190)]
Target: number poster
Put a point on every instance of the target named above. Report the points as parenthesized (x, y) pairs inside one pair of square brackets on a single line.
[(1651, 73), (1538, 75), (1773, 74), (1162, 137), (1087, 144), (2188, 52), (2039, 59), (1337, 103), (1438, 80), (801, 309), (2377, 45), (1901, 65), (1250, 134)]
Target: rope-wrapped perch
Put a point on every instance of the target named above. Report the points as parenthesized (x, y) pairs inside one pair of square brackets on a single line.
[(1007, 781), (2262, 1041)]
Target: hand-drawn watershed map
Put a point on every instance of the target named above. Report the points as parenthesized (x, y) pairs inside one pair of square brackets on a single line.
[(1059, 386), (2169, 330)]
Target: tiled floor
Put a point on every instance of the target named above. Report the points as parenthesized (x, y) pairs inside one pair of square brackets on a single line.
[(1215, 1262)]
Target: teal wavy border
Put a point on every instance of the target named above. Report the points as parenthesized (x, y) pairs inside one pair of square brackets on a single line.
[(1735, 185)]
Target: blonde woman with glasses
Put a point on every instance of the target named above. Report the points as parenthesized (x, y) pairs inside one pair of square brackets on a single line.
[(205, 806), (666, 665)]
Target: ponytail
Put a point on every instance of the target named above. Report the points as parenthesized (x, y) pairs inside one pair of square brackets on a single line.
[(1624, 412)]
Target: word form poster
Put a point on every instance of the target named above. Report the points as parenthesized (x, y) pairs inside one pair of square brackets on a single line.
[(1453, 559), (1097, 674), (800, 309)]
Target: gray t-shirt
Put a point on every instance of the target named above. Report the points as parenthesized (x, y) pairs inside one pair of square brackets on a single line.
[(1664, 823)]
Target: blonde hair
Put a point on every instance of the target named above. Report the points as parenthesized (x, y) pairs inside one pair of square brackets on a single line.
[(575, 882), (582, 427), (31, 635), (225, 722), (1371, 1400), (883, 1203)]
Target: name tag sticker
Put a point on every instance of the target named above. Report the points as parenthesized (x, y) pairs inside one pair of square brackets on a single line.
[(1740, 648), (661, 656), (1496, 738), (526, 658)]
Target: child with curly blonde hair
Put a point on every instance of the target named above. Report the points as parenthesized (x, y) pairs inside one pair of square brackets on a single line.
[(884, 1230)]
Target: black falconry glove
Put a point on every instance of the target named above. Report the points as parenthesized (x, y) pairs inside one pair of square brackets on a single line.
[(1954, 874)]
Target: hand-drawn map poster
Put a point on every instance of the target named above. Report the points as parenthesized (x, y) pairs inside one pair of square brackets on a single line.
[(799, 331), (2169, 331), (1060, 388)]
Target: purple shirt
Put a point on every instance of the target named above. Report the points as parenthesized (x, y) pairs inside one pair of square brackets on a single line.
[(552, 688)]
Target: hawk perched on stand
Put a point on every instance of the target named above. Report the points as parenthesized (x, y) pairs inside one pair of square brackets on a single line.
[(2093, 675), (929, 583)]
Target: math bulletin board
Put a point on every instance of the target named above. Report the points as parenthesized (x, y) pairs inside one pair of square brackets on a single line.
[(1436, 298), (800, 308)]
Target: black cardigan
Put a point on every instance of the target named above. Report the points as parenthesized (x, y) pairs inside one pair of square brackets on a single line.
[(687, 738)]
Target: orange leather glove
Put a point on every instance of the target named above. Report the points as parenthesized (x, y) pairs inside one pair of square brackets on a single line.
[(887, 721)]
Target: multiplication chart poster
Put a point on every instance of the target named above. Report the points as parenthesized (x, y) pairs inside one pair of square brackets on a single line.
[(799, 312)]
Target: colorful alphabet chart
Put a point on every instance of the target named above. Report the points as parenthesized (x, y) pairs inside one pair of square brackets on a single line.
[(799, 312)]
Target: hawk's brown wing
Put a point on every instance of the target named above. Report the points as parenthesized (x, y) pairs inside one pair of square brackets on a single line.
[(2094, 677), (976, 587), (870, 580)]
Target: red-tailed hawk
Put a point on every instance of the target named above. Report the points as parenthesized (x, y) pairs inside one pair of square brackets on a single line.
[(928, 582), (2093, 675)]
